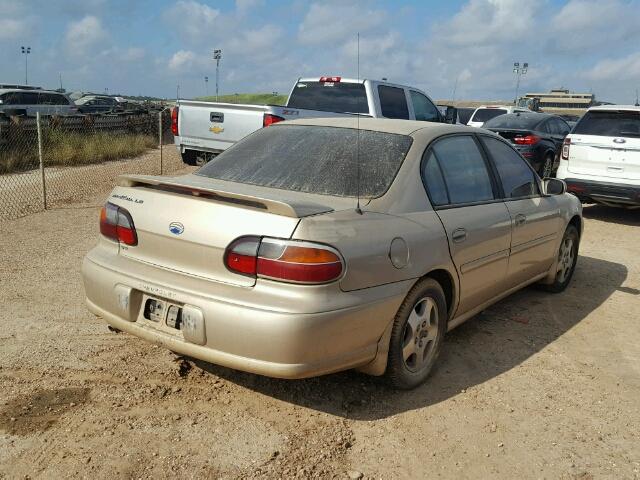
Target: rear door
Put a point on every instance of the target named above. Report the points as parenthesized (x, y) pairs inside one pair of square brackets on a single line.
[(535, 219), (463, 193), (606, 144)]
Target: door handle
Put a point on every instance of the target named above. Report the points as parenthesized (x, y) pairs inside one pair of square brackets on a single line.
[(520, 219), (459, 235)]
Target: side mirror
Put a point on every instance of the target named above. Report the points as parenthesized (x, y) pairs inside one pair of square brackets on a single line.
[(553, 186), (451, 115)]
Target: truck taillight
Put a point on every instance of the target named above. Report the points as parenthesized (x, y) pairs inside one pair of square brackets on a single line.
[(330, 79), (526, 140), (116, 224), (284, 260), (565, 148), (174, 120), (270, 119)]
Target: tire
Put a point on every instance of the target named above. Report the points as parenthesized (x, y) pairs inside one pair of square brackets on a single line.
[(417, 335), (190, 157), (567, 259), (546, 168)]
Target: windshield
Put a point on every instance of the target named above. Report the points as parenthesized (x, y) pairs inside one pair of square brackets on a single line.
[(484, 114), (609, 124), (313, 159), (330, 97), (524, 121)]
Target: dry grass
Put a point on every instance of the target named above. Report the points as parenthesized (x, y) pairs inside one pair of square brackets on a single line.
[(65, 148)]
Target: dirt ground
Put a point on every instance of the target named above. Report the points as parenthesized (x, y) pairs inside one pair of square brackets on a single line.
[(538, 386)]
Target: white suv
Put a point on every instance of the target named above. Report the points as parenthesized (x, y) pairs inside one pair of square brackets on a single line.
[(600, 159), (487, 112)]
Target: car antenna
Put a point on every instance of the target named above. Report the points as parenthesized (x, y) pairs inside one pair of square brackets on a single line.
[(358, 209)]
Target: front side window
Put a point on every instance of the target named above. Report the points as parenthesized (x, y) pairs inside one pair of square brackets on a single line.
[(423, 108), (393, 102), (518, 180), (464, 170)]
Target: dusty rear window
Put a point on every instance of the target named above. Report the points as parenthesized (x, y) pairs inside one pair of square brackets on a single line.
[(313, 159)]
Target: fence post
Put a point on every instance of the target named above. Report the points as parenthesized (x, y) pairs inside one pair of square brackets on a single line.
[(160, 137), (44, 184)]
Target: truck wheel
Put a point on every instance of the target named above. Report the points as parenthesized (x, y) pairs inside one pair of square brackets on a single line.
[(417, 335), (190, 157)]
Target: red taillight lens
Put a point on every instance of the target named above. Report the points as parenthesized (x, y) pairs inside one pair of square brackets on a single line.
[(565, 148), (527, 140), (284, 260), (270, 119), (174, 120), (116, 223)]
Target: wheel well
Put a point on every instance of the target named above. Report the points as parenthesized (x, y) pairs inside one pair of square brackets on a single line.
[(446, 282), (576, 222)]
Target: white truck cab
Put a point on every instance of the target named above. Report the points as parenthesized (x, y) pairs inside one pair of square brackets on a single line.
[(600, 160)]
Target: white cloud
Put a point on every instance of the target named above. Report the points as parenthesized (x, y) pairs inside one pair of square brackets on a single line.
[(245, 6), (11, 28), (615, 70), (84, 34), (333, 22), (193, 20), (133, 54), (182, 59)]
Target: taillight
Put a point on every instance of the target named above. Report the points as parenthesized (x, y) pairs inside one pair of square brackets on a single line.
[(565, 148), (270, 119), (330, 79), (526, 140), (284, 260), (116, 223), (174, 120)]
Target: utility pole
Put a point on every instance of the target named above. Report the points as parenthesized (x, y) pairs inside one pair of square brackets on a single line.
[(60, 76), (206, 85), (217, 55), (519, 71), (26, 51)]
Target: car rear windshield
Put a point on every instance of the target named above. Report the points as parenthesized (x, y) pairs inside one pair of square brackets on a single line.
[(523, 121), (330, 97), (313, 159), (484, 114), (609, 124)]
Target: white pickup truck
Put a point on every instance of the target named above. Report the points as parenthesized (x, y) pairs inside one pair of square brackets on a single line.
[(205, 129)]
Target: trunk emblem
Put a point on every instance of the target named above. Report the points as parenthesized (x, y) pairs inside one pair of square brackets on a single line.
[(216, 129), (619, 140), (176, 228)]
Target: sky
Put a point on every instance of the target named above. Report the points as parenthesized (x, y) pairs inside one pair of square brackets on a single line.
[(149, 47)]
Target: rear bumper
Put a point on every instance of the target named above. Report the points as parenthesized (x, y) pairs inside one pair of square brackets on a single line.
[(249, 337), (606, 192)]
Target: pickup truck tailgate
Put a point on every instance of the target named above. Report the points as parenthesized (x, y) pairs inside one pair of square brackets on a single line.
[(217, 126)]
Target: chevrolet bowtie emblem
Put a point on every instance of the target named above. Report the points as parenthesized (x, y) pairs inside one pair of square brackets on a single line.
[(216, 129)]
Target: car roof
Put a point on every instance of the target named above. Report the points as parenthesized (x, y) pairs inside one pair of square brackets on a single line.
[(387, 125), (28, 90), (615, 108)]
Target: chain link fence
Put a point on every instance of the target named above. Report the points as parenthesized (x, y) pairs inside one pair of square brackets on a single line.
[(51, 161)]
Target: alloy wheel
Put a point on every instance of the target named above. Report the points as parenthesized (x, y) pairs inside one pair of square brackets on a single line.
[(420, 333)]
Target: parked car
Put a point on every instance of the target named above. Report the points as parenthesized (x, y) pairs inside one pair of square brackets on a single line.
[(487, 112), (537, 137), (600, 158), (205, 129), (28, 100), (315, 246), (98, 104), (464, 114)]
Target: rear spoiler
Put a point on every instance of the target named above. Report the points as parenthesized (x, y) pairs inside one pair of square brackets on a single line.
[(218, 190)]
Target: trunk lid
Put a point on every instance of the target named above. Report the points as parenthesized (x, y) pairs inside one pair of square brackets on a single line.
[(606, 143), (184, 224)]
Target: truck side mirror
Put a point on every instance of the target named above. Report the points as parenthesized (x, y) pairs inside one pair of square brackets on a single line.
[(451, 115)]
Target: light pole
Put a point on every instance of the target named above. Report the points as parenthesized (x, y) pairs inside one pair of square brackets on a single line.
[(26, 51), (519, 71), (206, 85), (217, 55)]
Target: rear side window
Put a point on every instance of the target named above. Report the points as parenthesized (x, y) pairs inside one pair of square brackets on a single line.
[(515, 175), (423, 108), (484, 114), (434, 180), (609, 124), (464, 170), (393, 102), (313, 159), (330, 97), (28, 98)]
